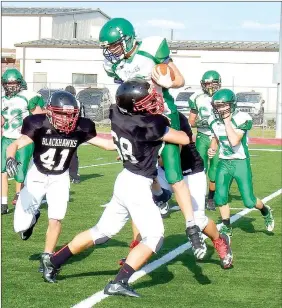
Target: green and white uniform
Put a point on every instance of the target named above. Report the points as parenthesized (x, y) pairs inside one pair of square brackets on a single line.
[(14, 110), (200, 104), (234, 161), (151, 51)]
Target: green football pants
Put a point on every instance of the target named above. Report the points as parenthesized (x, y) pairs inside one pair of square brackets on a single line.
[(240, 170), (171, 152), (23, 156), (202, 144)]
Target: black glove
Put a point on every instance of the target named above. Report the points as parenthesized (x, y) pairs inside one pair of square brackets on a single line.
[(12, 166)]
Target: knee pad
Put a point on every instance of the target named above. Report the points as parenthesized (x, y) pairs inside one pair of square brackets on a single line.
[(98, 237), (153, 242), (202, 222)]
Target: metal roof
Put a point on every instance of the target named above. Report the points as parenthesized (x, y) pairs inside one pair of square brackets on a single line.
[(174, 45), (47, 11)]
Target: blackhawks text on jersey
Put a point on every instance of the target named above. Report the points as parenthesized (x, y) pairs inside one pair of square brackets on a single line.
[(15, 109), (53, 150), (191, 161), (240, 121), (150, 51), (137, 139), (200, 103)]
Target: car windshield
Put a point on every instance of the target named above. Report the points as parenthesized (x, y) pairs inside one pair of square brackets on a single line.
[(46, 93), (248, 98), (90, 96), (184, 96)]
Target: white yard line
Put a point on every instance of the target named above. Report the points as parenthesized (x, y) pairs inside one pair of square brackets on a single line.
[(99, 296), (266, 150)]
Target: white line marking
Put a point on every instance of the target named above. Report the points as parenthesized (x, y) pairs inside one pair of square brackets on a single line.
[(266, 150), (99, 296)]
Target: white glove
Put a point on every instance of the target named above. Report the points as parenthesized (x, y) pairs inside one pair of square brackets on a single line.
[(162, 80), (211, 153)]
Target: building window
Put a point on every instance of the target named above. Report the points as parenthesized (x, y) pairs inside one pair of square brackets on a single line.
[(75, 30), (84, 79)]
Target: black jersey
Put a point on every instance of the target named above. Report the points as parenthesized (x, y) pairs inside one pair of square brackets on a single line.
[(53, 150), (191, 161), (137, 138)]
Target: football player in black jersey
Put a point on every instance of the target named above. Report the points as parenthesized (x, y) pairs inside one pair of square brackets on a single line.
[(194, 176), (56, 136), (139, 131)]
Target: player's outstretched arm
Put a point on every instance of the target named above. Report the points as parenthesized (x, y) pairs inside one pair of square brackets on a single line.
[(175, 136), (213, 148), (106, 144), (192, 118)]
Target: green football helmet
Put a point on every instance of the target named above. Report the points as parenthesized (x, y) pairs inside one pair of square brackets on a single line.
[(117, 38), (223, 103), (211, 82), (12, 82), (24, 85)]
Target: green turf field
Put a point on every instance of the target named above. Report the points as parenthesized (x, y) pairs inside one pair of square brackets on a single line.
[(254, 281)]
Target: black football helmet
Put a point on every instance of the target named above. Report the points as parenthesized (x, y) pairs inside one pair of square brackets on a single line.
[(137, 96), (62, 111)]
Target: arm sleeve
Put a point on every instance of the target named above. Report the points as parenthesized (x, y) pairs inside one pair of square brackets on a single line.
[(89, 130), (163, 53), (155, 128), (29, 127)]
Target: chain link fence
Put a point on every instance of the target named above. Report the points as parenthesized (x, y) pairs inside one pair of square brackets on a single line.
[(259, 102)]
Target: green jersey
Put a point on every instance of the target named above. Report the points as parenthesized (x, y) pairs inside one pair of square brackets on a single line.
[(200, 103), (150, 51), (242, 122), (15, 109)]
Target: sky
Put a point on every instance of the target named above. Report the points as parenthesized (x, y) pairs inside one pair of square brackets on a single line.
[(226, 21)]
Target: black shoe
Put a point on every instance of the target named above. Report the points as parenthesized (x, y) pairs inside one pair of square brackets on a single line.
[(198, 244), (4, 209), (120, 288), (40, 268), (210, 205), (49, 270), (25, 235)]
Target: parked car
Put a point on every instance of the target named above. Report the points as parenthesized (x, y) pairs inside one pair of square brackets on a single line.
[(181, 100), (96, 102), (46, 93), (252, 103)]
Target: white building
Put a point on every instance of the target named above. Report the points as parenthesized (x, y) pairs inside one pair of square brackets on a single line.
[(27, 24), (244, 66)]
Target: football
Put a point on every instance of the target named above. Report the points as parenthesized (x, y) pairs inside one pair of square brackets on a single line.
[(163, 69)]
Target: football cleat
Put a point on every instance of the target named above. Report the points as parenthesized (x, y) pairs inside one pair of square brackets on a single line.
[(49, 270), (120, 288), (196, 239), (16, 197), (269, 220), (162, 202), (210, 205), (40, 268), (25, 235), (222, 246), (226, 230), (4, 209)]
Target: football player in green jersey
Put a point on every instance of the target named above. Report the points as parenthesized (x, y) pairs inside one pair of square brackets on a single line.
[(126, 58), (17, 103), (230, 128), (201, 109)]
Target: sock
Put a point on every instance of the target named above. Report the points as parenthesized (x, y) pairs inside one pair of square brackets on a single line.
[(60, 257), (264, 211), (157, 192), (190, 223), (226, 222), (133, 244), (211, 194), (4, 200), (124, 274)]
